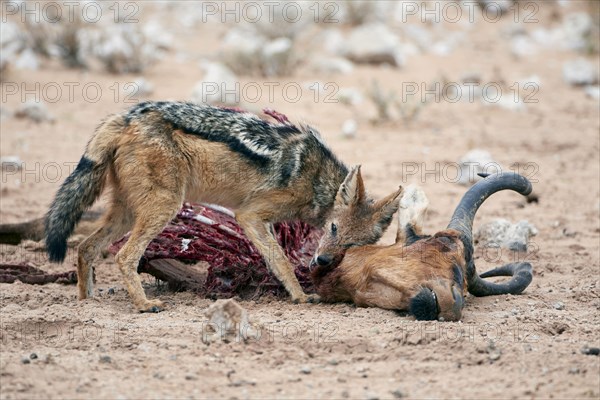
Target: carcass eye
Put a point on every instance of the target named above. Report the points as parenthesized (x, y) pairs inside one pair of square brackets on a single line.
[(333, 228)]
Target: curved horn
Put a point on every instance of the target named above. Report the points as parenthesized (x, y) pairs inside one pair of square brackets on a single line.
[(462, 221), (522, 275)]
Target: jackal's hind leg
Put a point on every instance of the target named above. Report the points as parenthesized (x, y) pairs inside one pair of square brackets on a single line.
[(411, 217), (150, 220), (261, 235), (116, 223)]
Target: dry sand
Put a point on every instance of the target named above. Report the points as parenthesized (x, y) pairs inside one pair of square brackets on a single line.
[(525, 346)]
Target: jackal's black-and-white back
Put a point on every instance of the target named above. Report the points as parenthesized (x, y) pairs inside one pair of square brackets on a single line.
[(157, 155), (275, 147)]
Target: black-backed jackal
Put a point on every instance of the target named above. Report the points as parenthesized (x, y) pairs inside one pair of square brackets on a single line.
[(158, 154), (426, 275)]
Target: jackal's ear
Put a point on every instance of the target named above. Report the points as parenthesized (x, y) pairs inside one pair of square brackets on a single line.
[(386, 207), (352, 190)]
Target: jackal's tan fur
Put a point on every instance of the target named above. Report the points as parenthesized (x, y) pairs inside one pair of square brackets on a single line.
[(158, 154)]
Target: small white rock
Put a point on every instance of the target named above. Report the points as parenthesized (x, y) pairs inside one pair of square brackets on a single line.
[(227, 321), (349, 128), (219, 86), (27, 60), (580, 72), (522, 46), (373, 44), (35, 111), (333, 65), (241, 51), (277, 57), (158, 35), (593, 91), (503, 233), (507, 102), (139, 87), (332, 41), (576, 28), (474, 162), (5, 113), (350, 96), (306, 370), (13, 163)]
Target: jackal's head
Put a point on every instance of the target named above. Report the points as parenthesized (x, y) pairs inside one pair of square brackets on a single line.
[(355, 220)]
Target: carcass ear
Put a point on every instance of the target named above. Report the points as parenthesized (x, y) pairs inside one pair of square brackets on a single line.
[(352, 190), (386, 207)]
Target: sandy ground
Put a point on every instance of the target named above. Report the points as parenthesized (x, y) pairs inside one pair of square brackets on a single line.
[(527, 346)]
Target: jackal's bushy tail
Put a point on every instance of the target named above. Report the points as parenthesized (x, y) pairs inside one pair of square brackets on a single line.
[(80, 189)]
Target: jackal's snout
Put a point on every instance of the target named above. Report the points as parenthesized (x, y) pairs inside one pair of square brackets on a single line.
[(355, 220), (324, 260)]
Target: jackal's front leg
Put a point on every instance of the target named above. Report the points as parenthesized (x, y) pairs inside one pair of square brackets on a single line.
[(262, 236)]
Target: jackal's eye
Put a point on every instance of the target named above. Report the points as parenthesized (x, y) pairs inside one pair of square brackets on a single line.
[(333, 228)]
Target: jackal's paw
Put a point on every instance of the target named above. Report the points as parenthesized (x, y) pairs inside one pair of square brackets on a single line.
[(152, 306), (307, 298)]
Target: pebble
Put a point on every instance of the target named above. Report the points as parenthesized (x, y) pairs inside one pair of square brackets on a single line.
[(277, 57), (580, 72), (398, 394), (33, 356), (105, 360), (373, 43), (240, 50), (333, 65), (5, 113), (25, 360), (590, 351), (217, 87), (349, 128), (593, 91), (27, 60), (350, 96), (503, 233), (35, 111), (305, 370), (111, 291), (139, 87), (11, 162), (559, 305), (474, 162)]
